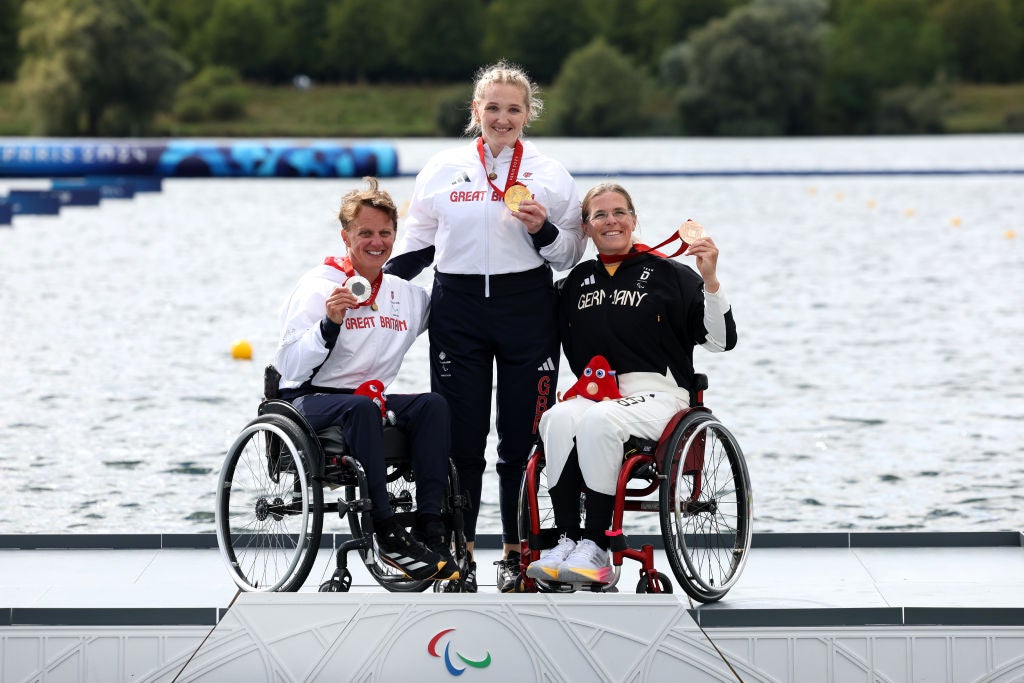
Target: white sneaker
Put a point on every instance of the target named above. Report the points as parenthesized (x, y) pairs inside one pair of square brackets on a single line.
[(546, 568), (588, 563)]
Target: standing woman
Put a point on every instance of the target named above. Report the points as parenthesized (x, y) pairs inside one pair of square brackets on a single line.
[(494, 245)]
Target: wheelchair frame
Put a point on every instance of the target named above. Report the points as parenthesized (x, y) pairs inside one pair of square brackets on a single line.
[(705, 507), (280, 501)]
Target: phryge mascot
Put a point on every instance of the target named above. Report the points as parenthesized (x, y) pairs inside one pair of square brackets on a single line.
[(598, 382)]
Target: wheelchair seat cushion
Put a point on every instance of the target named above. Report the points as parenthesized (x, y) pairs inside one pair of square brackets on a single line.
[(396, 443), (332, 441)]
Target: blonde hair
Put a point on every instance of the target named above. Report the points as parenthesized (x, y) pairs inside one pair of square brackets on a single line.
[(372, 196), (510, 74), (604, 188)]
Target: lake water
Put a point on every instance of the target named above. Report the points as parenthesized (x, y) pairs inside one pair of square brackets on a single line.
[(877, 384)]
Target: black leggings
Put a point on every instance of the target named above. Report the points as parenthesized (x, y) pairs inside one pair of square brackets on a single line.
[(565, 502)]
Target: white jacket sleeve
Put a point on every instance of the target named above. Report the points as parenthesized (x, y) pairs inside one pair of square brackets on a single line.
[(302, 347), (565, 213)]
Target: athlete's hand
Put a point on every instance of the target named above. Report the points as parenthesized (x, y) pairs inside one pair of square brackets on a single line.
[(339, 301), (706, 252), (532, 213)]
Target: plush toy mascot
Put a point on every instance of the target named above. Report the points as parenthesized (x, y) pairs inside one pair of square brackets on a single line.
[(597, 382)]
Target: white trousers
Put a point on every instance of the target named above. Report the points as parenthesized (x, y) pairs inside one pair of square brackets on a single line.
[(598, 429)]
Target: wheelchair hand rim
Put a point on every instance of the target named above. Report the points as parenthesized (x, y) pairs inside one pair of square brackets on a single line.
[(222, 488)]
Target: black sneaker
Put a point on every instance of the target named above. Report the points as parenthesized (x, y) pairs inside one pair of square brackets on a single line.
[(469, 581), (399, 549), (509, 571), (431, 534)]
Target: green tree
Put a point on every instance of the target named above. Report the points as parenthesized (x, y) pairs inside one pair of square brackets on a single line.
[(601, 93), (216, 93), (987, 40), (440, 40), (10, 20), (243, 35), (877, 45), (302, 22), (756, 71), (536, 34), (644, 29), (95, 67), (184, 19), (359, 43)]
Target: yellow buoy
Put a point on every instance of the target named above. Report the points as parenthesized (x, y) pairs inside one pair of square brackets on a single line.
[(871, 203), (955, 221), (241, 350), (840, 196), (1009, 234), (908, 213)]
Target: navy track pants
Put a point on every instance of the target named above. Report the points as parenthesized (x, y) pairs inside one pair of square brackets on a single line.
[(515, 330)]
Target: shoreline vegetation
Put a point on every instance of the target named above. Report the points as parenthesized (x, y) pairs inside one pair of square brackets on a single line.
[(362, 111)]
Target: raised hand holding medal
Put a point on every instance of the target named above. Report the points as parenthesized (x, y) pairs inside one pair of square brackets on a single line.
[(515, 193), (360, 288)]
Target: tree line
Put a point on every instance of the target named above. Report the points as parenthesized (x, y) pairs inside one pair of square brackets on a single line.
[(613, 67)]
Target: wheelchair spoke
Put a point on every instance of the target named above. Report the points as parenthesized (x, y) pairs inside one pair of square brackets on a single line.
[(268, 514), (707, 523)]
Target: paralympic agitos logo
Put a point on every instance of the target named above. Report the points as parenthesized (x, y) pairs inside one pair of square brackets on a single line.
[(449, 664)]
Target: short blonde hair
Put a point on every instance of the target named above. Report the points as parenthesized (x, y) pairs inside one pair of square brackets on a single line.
[(510, 74), (372, 196)]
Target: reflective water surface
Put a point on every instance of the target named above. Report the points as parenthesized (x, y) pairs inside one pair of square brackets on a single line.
[(877, 384)]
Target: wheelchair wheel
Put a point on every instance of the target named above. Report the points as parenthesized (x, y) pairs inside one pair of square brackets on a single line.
[(706, 507), (269, 508), (645, 584)]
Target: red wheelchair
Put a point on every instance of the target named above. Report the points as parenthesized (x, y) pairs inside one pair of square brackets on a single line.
[(705, 505)]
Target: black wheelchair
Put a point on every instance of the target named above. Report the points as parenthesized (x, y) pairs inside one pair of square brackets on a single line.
[(271, 504), (705, 506)]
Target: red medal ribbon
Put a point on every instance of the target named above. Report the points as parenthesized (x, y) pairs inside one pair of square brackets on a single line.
[(513, 167), (640, 248), (344, 264)]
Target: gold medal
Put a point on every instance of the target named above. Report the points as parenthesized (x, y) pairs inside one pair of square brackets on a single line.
[(516, 194), (691, 231)]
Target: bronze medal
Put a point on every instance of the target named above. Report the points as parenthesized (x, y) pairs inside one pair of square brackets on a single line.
[(515, 194), (691, 231), (492, 176)]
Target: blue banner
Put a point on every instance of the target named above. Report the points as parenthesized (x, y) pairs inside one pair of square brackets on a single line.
[(196, 159)]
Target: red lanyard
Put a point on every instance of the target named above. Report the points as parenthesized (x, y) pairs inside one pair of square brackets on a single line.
[(513, 168), (344, 264), (640, 248)]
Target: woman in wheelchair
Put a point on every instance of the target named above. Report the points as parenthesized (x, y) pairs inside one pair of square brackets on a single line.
[(644, 313), (347, 323)]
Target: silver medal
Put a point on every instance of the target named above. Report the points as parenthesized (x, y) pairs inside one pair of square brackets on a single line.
[(360, 287)]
